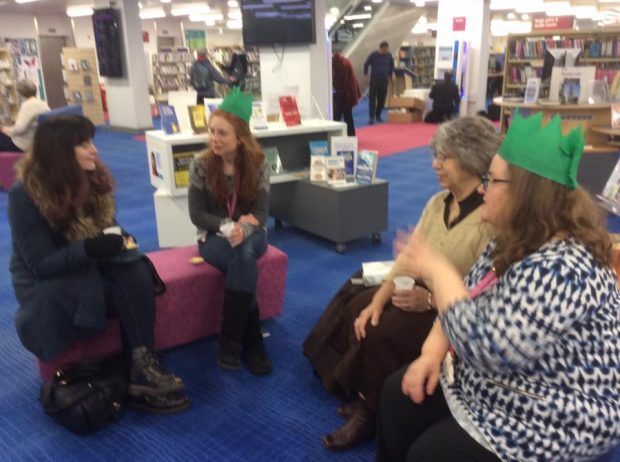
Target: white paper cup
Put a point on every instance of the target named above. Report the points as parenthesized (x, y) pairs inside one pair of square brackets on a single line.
[(113, 230), (404, 282), (227, 228)]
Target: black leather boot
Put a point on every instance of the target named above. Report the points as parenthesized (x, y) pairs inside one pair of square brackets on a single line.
[(148, 376), (359, 428), (234, 316), (254, 352)]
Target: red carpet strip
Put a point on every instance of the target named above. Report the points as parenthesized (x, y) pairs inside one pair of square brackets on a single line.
[(391, 138)]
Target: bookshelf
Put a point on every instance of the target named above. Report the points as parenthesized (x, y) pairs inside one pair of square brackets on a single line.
[(81, 79), (9, 103), (423, 66), (171, 71)]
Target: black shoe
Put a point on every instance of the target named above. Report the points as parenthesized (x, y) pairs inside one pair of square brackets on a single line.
[(229, 355), (257, 360), (348, 410), (371, 121), (358, 429), (148, 376), (167, 403), (379, 119)]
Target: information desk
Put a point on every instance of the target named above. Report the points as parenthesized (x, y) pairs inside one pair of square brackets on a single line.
[(339, 214), (571, 115)]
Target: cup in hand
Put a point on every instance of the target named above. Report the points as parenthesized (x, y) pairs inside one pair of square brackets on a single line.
[(227, 228), (113, 230), (404, 283)]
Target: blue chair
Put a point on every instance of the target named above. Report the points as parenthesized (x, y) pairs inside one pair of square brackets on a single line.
[(75, 109)]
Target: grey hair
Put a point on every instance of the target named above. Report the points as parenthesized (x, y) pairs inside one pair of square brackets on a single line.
[(26, 88), (472, 140)]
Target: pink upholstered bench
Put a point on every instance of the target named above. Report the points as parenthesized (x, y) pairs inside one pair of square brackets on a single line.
[(191, 306), (7, 168)]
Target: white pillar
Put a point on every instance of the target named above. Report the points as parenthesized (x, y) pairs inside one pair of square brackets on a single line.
[(304, 67), (477, 35), (128, 96)]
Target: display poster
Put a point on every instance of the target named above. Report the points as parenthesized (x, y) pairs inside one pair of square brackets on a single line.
[(195, 39), (26, 62)]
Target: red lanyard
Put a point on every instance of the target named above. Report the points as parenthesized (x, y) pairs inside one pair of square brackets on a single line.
[(485, 283), (231, 204)]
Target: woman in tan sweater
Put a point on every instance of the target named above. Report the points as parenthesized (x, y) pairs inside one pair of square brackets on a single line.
[(367, 333)]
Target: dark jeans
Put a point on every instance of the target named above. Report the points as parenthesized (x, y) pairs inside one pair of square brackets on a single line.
[(238, 263), (377, 92), (342, 109), (425, 432), (130, 296), (6, 144)]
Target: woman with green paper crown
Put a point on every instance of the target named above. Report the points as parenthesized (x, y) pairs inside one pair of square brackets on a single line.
[(228, 204), (526, 349)]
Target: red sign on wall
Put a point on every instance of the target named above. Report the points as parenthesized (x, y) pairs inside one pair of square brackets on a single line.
[(145, 36), (552, 22), (458, 24)]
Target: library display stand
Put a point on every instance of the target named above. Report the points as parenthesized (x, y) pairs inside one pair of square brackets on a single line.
[(9, 103), (79, 71), (336, 214), (171, 71)]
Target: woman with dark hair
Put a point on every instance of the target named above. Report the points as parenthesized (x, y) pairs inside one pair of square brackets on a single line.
[(365, 334), (229, 204), (529, 341), (72, 266), (18, 137)]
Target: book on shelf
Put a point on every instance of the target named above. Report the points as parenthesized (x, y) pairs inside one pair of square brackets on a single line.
[(335, 166), (610, 197), (169, 121), (273, 159), (345, 147), (258, 121), (532, 90), (318, 168), (366, 168), (197, 118), (570, 90), (319, 148), (374, 272), (289, 110)]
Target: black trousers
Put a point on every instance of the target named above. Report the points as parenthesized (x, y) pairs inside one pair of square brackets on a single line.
[(425, 432), (6, 144), (342, 109), (377, 92), (130, 296)]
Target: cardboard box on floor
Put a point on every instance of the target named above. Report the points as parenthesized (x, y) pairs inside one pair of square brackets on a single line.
[(405, 102), (404, 117)]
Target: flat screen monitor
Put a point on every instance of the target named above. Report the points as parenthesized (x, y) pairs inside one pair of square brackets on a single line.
[(108, 41), (268, 22)]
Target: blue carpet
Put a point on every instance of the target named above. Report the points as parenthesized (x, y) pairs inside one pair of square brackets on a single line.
[(233, 416)]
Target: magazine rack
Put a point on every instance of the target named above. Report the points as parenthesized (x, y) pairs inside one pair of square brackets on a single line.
[(332, 213)]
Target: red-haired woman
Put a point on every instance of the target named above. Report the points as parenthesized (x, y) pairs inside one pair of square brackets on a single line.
[(229, 203), (68, 274)]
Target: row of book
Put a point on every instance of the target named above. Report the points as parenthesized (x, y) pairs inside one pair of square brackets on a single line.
[(520, 74), (535, 49)]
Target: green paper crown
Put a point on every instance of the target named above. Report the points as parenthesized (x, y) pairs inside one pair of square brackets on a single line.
[(238, 103), (544, 151)]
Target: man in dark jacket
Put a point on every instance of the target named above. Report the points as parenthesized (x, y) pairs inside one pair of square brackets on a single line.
[(446, 97), (381, 66), (203, 74)]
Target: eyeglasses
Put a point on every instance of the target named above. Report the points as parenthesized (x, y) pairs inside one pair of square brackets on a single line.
[(441, 157), (486, 181)]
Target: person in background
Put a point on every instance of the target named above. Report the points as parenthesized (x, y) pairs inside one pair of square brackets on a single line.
[(69, 276), (381, 65), (365, 334), (237, 67), (446, 97), (18, 137), (229, 204), (203, 76), (530, 338), (346, 90)]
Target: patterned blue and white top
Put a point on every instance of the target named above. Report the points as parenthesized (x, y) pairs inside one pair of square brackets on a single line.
[(538, 375)]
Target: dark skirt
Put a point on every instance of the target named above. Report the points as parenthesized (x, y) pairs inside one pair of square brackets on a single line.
[(346, 366)]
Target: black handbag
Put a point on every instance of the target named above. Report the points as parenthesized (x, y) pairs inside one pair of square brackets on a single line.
[(85, 397)]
